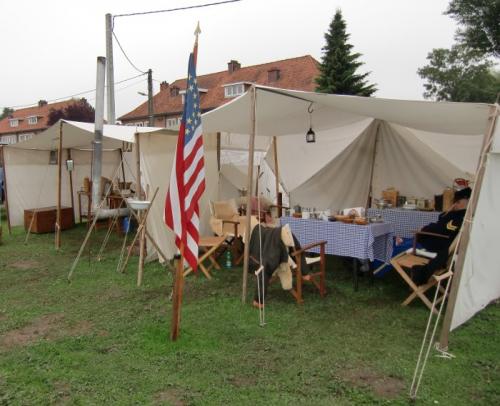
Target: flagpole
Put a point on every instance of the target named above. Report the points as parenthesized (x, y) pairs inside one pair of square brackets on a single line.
[(179, 269), (177, 297)]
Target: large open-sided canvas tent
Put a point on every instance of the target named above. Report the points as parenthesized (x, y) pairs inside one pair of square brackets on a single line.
[(33, 183), (364, 145)]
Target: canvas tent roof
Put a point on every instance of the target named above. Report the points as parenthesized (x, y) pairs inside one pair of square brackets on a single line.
[(79, 135), (359, 141), (417, 145)]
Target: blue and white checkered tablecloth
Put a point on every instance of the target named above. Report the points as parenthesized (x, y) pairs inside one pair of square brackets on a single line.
[(372, 241), (406, 222)]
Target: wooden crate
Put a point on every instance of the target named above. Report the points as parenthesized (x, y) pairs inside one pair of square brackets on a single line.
[(45, 219)]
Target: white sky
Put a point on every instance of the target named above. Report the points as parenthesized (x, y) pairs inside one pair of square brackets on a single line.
[(50, 48)]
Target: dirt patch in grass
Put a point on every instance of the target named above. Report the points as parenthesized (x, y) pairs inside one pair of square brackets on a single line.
[(381, 385), (171, 397), (240, 381), (63, 393), (47, 327), (24, 265)]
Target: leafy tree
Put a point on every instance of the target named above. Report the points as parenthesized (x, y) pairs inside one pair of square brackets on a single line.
[(338, 65), (479, 22), (80, 110), (7, 111), (459, 74)]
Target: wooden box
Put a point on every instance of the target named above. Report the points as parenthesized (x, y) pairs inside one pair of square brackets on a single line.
[(45, 219), (391, 196)]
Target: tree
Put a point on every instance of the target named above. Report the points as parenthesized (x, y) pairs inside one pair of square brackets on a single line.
[(480, 24), (338, 64), (459, 74), (80, 110), (7, 111)]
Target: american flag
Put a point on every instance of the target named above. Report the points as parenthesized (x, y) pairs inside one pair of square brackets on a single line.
[(187, 179)]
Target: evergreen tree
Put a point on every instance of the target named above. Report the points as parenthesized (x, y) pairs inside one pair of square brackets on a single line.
[(338, 65)]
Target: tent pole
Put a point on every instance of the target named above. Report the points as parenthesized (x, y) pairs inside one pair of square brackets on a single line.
[(59, 181), (71, 188), (218, 151), (140, 195), (123, 166), (251, 148), (467, 226), (276, 174), (372, 169), (6, 199)]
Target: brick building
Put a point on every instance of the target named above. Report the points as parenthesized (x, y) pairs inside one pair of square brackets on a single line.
[(22, 124), (219, 88)]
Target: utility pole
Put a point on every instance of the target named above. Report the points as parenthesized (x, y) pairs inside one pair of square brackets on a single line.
[(150, 99), (98, 128), (110, 70)]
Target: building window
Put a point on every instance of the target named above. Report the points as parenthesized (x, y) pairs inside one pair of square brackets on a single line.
[(8, 139), (25, 137), (174, 91), (14, 122), (233, 90), (139, 124), (172, 123), (32, 120)]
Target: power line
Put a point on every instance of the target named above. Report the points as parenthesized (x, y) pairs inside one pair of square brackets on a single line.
[(175, 9), (73, 95), (156, 12), (126, 56)]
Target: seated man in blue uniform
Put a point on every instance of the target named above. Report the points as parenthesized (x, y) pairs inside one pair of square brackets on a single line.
[(448, 225)]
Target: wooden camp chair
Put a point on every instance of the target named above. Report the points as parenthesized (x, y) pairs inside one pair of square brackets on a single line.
[(316, 278), (208, 246), (407, 260)]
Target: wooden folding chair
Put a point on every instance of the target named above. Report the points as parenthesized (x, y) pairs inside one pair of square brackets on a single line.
[(208, 245), (407, 260), (316, 278)]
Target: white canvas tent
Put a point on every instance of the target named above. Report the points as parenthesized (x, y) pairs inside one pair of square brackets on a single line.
[(362, 143), (31, 182)]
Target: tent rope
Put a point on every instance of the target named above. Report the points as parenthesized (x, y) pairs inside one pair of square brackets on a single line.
[(420, 367)]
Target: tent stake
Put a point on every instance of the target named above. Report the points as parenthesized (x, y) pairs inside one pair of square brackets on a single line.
[(251, 148)]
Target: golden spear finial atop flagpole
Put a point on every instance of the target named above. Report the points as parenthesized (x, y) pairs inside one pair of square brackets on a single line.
[(197, 32)]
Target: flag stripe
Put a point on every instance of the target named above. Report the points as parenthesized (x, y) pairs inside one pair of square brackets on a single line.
[(187, 180)]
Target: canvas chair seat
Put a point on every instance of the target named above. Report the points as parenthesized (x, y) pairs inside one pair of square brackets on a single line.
[(405, 261)]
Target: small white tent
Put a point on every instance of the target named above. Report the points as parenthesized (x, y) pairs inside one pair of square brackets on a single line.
[(364, 145), (32, 183)]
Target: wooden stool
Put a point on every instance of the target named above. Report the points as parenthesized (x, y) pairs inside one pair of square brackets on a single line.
[(209, 245)]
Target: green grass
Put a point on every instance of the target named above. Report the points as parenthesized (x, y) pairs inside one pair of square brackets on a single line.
[(102, 340)]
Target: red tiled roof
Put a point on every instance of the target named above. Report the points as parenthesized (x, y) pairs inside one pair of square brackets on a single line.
[(295, 73), (42, 112)]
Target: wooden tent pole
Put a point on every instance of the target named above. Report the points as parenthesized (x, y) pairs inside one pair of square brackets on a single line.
[(277, 175), (59, 181), (218, 151), (6, 196), (123, 166), (251, 148), (140, 195), (71, 187), (372, 169), (466, 230)]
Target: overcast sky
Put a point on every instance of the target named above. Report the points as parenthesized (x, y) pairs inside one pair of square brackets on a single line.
[(49, 48)]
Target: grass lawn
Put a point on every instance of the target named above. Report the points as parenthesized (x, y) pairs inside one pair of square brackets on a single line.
[(102, 340)]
